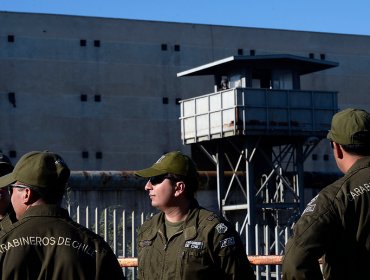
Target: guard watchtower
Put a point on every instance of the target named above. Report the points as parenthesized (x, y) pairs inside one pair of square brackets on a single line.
[(258, 127)]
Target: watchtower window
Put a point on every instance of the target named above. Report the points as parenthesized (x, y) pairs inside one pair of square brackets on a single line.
[(282, 79), (235, 81)]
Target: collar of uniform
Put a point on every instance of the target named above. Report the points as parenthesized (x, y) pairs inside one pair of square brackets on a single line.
[(361, 163), (45, 210), (191, 221), (190, 232)]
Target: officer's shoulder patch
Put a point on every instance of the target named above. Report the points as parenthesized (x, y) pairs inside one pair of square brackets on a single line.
[(221, 228), (311, 205), (208, 219)]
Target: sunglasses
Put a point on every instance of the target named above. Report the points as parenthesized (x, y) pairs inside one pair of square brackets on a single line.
[(157, 179), (18, 186)]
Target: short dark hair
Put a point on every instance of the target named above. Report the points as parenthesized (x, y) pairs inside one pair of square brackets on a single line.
[(50, 196), (357, 149), (191, 183)]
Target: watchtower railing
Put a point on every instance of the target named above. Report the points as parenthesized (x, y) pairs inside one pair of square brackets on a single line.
[(250, 111)]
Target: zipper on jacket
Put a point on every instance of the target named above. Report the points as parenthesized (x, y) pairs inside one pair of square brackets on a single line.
[(165, 241), (168, 241)]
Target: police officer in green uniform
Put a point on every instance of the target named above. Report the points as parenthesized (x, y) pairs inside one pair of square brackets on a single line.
[(335, 225), (45, 243), (184, 240), (7, 215)]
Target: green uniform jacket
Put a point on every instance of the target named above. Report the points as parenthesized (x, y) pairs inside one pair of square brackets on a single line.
[(205, 248), (336, 223), (8, 220), (47, 244)]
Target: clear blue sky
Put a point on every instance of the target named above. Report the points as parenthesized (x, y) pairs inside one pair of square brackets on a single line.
[(335, 16)]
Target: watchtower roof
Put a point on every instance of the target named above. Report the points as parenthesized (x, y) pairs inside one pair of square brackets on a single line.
[(302, 65)]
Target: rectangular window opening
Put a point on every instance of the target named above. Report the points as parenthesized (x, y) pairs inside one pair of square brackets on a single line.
[(97, 98), (11, 38), (83, 97)]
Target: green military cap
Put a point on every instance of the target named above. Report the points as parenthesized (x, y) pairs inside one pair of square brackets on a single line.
[(171, 163), (350, 126), (38, 169)]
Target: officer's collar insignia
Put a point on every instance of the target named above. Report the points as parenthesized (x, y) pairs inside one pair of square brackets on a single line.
[(145, 243), (212, 217)]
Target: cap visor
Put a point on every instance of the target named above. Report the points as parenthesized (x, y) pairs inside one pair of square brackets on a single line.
[(329, 136), (150, 172), (6, 180)]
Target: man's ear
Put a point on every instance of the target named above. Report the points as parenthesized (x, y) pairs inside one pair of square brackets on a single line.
[(338, 150), (26, 196), (29, 196), (179, 188)]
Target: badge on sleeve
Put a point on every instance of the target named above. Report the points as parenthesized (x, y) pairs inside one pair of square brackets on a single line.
[(221, 228), (311, 205), (227, 242)]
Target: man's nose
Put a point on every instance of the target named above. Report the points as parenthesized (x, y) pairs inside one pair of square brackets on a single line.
[(148, 186)]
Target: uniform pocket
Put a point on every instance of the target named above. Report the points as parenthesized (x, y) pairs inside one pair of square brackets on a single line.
[(194, 264), (145, 268)]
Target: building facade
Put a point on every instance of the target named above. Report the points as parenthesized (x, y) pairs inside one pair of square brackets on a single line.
[(104, 93)]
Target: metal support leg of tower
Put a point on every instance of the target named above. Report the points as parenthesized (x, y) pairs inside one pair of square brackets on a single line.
[(266, 186)]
